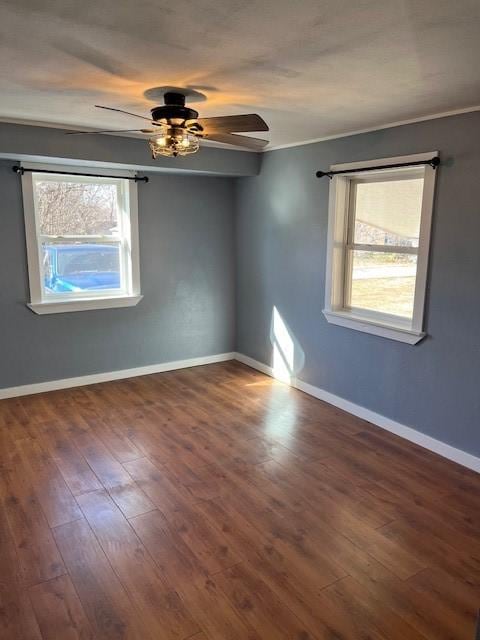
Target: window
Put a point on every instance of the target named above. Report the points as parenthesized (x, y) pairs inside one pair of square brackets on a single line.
[(82, 240), (378, 244)]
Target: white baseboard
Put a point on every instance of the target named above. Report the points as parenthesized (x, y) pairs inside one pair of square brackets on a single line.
[(437, 446), (80, 381)]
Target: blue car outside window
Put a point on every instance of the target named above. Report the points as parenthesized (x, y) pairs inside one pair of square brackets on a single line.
[(77, 268)]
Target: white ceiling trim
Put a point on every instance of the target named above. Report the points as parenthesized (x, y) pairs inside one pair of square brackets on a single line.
[(399, 123), (301, 143)]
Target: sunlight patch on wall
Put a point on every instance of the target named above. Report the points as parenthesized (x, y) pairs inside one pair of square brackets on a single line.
[(283, 349), (288, 357)]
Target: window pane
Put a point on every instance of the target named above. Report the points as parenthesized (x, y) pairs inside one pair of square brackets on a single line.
[(73, 268), (383, 282), (388, 212), (76, 208)]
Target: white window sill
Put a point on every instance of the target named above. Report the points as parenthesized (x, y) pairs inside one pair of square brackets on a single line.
[(84, 304), (392, 332)]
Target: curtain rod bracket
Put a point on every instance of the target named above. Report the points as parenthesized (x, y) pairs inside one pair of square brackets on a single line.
[(433, 162), (21, 170)]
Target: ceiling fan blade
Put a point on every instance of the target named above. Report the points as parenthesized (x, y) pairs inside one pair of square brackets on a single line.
[(82, 133), (230, 124), (240, 141), (99, 106)]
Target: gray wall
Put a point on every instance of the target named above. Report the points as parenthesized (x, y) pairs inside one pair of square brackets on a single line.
[(187, 240), (187, 274), (281, 230)]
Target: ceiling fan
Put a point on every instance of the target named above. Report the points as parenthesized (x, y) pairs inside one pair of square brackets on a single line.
[(176, 130)]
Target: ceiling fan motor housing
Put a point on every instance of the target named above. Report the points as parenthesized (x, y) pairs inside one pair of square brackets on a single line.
[(174, 109)]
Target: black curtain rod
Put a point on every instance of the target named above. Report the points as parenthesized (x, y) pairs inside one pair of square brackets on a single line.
[(21, 171), (433, 162)]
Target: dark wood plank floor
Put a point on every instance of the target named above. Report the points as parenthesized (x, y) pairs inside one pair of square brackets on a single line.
[(216, 504)]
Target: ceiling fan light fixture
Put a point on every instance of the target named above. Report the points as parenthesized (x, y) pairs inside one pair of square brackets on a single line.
[(177, 129), (172, 142)]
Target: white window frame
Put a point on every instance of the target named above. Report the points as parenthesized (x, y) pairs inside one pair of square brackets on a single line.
[(335, 311), (42, 302)]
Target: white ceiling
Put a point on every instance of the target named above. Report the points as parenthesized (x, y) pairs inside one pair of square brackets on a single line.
[(311, 68)]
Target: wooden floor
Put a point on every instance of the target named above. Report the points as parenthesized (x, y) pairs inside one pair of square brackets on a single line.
[(216, 504)]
